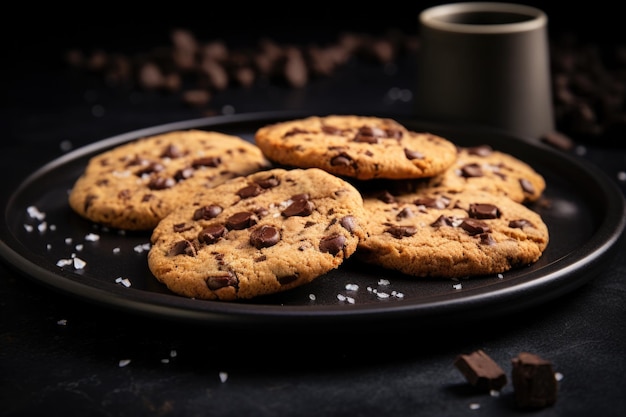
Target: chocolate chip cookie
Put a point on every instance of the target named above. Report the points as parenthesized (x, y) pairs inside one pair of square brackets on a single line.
[(483, 168), (450, 235), (136, 184), (358, 147), (268, 232)]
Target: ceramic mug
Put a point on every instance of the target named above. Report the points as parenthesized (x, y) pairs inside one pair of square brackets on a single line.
[(486, 63)]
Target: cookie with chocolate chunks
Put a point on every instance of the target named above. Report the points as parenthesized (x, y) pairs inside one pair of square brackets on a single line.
[(136, 184), (484, 168), (265, 233), (357, 147), (450, 235)]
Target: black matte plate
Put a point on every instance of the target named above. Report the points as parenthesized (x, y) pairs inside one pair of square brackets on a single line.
[(584, 211)]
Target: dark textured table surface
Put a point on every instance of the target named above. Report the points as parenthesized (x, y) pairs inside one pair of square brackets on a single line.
[(64, 355)]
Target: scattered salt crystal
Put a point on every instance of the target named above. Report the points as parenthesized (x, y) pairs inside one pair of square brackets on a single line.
[(558, 376), (142, 248), (173, 353), (34, 213), (68, 240), (64, 262), (500, 276), (28, 228), (116, 250), (458, 286), (165, 360), (383, 282), (382, 294), (79, 263), (580, 150), (223, 376), (79, 247), (123, 362), (42, 227), (124, 281), (474, 406), (48, 246), (312, 297), (53, 227), (352, 287), (494, 393), (62, 322), (341, 297), (92, 237), (397, 294), (65, 145), (621, 175)]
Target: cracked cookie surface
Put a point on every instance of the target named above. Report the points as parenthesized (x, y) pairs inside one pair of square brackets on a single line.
[(358, 147), (136, 184), (260, 234), (450, 235)]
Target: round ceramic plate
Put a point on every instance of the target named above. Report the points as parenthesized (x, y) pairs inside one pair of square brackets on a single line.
[(41, 236)]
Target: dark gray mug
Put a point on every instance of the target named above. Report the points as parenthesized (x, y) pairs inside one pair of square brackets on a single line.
[(486, 63)]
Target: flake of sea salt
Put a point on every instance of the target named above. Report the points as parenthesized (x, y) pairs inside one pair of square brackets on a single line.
[(34, 213), (621, 175), (68, 240), (62, 322), (79, 247), (352, 287), (123, 362), (92, 237), (341, 297), (223, 376), (42, 227), (312, 297), (79, 263), (458, 286), (558, 376), (29, 228), (474, 406), (383, 282), (116, 250), (350, 300), (64, 262), (380, 294)]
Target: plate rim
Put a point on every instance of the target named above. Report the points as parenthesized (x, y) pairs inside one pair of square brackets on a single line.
[(601, 245)]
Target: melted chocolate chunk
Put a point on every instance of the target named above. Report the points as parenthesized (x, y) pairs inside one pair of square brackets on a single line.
[(349, 223), (332, 244), (241, 220), (264, 236), (172, 151), (299, 207), (149, 169), (471, 170), (251, 190), (211, 234), (181, 227), (182, 247), (410, 154), (386, 197), (207, 212), (430, 202), (520, 223), (443, 221), (268, 182), (484, 211), (287, 279), (405, 213), (160, 183), (474, 226), (401, 231), (183, 174), (225, 279), (341, 159), (527, 186), (487, 239), (207, 161)]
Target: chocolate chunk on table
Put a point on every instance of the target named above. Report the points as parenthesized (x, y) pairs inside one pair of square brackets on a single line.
[(481, 371), (534, 381)]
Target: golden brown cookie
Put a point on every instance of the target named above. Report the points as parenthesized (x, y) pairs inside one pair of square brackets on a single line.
[(136, 184), (261, 234), (486, 169), (450, 235), (359, 147)]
